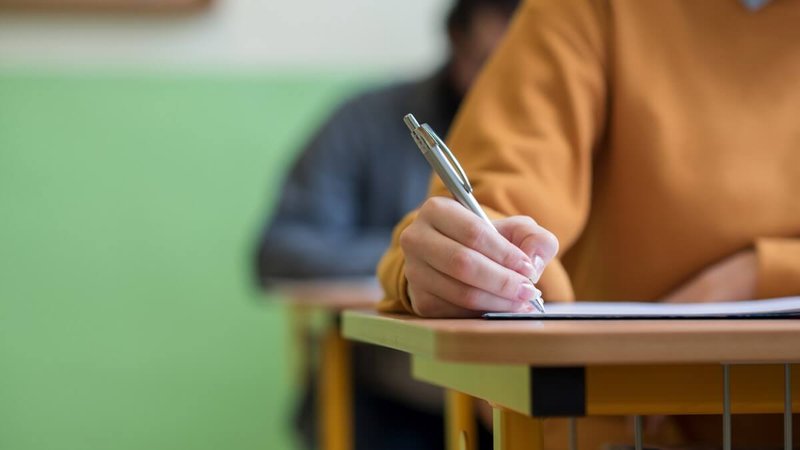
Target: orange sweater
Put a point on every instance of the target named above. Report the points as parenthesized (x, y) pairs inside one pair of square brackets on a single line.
[(653, 137)]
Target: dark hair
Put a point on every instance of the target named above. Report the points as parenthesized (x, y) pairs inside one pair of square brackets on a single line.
[(463, 11)]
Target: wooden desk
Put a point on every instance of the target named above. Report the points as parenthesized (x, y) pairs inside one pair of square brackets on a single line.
[(332, 295), (334, 384), (533, 369)]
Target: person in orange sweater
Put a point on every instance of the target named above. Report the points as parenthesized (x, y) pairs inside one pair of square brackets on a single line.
[(655, 143)]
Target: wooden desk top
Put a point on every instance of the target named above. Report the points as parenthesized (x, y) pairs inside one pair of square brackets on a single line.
[(565, 343), (333, 294)]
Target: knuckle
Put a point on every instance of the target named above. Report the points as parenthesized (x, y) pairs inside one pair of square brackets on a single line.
[(522, 223), (527, 221), (460, 264), (474, 234), (405, 238), (408, 238), (507, 285), (425, 209), (434, 205), (425, 305), (512, 257), (470, 298)]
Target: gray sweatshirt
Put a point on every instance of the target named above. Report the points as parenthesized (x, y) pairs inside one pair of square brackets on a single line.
[(357, 178)]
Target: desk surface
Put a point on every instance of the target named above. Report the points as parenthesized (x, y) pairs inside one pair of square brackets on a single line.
[(332, 294), (564, 343)]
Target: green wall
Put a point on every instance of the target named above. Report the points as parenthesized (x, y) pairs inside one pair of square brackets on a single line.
[(128, 210)]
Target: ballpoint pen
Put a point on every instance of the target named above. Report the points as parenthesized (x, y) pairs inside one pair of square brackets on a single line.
[(446, 166)]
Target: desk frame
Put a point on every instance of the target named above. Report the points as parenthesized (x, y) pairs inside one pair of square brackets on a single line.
[(619, 387), (531, 393)]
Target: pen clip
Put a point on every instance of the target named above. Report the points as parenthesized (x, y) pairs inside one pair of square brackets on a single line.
[(450, 157)]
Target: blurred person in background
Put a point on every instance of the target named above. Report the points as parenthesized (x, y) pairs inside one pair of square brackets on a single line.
[(358, 176)]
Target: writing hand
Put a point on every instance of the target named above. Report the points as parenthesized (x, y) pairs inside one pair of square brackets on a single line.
[(458, 266)]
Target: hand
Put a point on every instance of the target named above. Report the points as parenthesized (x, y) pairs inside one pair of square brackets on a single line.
[(457, 265), (731, 279)]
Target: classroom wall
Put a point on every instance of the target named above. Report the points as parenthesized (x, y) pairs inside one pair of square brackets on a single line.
[(130, 206), (394, 38), (138, 158)]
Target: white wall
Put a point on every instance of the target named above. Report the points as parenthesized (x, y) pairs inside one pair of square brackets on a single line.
[(399, 37)]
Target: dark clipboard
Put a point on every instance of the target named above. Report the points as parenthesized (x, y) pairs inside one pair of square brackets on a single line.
[(539, 316), (776, 308)]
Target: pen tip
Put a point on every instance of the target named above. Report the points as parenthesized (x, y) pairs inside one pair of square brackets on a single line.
[(538, 304)]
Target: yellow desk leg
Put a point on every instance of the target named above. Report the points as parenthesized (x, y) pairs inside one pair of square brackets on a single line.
[(335, 392), (460, 421), (514, 431), (300, 319)]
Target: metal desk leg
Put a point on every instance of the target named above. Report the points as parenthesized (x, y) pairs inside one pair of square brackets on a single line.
[(335, 392), (726, 407), (787, 407), (460, 421), (573, 433), (637, 432), (514, 431)]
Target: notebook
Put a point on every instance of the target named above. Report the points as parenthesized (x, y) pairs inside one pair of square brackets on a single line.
[(777, 308)]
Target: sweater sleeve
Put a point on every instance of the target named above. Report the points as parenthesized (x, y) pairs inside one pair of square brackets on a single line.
[(527, 131), (778, 267)]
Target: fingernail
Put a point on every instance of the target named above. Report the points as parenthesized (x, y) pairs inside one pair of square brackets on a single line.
[(525, 308), (538, 266), (526, 291)]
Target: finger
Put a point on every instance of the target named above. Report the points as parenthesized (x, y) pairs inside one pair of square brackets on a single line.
[(453, 220), (472, 268), (423, 302), (453, 297), (533, 239)]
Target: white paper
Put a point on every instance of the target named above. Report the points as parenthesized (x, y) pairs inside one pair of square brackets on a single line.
[(787, 305)]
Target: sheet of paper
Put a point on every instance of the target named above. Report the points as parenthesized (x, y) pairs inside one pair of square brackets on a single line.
[(788, 306)]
